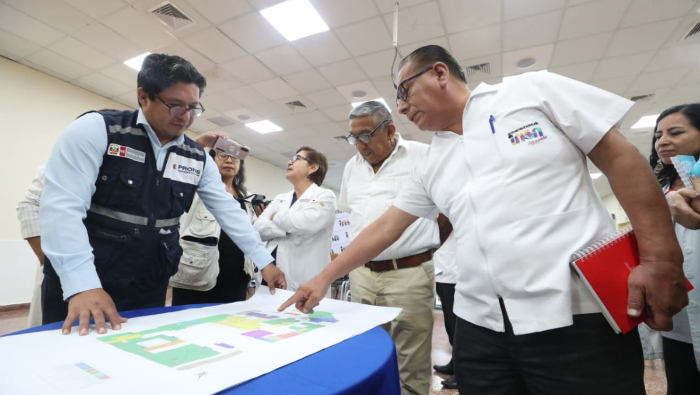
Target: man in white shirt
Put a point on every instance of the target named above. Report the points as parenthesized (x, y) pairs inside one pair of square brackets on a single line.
[(402, 275), (509, 171)]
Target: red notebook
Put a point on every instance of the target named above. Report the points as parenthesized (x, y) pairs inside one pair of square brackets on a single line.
[(604, 267)]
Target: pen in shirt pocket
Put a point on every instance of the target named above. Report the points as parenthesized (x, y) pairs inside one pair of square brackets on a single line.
[(491, 120)]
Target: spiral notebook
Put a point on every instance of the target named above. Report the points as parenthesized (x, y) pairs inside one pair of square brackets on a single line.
[(604, 267)]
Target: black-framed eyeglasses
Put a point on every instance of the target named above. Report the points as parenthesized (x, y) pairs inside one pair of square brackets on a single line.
[(364, 138), (297, 157), (224, 156), (402, 91), (177, 111)]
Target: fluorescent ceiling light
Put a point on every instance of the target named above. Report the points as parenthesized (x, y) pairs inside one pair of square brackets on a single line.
[(595, 176), (295, 19), (263, 127), (379, 100), (135, 63), (506, 78), (647, 121)]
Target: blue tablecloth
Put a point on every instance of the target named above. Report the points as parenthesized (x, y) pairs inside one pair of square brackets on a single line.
[(364, 364)]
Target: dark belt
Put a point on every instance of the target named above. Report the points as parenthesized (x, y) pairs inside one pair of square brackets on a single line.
[(401, 263)]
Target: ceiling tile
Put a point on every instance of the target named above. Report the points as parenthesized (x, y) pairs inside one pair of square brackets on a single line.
[(244, 115), (671, 58), (385, 87), (693, 77), (476, 43), (271, 110), (262, 4), (218, 11), (274, 89), (617, 85), (418, 23), (344, 72), (248, 69), (107, 41), (326, 98), (641, 38), (59, 64), (252, 32), (26, 27), (386, 6), (621, 66), (659, 79), (311, 118), (580, 50), (462, 15), (408, 48), (104, 85), (646, 11), (580, 71), (519, 33), (350, 91), (128, 99), (138, 27), (513, 9), (181, 49), (219, 79), (144, 7), (220, 101), (590, 18), (683, 94), (365, 37), (215, 45), (378, 64), (96, 8), (82, 53), (339, 113), (247, 96), (15, 45), (122, 73), (495, 69), (283, 60), (543, 54), (307, 81), (322, 48), (678, 35), (338, 13), (56, 14)]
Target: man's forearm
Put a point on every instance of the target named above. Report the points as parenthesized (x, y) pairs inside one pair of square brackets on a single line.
[(35, 244)]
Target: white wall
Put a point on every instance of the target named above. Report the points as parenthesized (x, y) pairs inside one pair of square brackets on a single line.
[(614, 207)]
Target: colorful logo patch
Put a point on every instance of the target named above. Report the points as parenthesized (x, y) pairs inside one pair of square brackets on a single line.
[(126, 152), (529, 133)]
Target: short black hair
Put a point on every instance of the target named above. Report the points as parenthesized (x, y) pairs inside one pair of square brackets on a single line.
[(316, 157), (160, 71), (666, 174), (426, 56), (238, 179)]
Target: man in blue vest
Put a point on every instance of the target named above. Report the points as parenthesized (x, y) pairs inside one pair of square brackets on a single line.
[(117, 183)]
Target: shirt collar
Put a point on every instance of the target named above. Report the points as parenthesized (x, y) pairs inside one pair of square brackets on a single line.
[(141, 120)]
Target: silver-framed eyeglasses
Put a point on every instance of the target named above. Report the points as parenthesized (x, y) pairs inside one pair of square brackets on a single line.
[(364, 138), (297, 157), (178, 111), (223, 157)]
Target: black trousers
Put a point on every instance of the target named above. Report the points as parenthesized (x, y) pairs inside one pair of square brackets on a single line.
[(682, 373), (446, 292), (585, 358)]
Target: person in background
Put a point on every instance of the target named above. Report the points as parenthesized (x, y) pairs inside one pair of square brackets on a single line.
[(212, 268), (401, 275), (297, 225), (445, 280), (507, 166), (28, 215), (117, 183), (677, 132)]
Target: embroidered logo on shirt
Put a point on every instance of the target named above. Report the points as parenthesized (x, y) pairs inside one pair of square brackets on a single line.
[(126, 152), (531, 133), (180, 168)]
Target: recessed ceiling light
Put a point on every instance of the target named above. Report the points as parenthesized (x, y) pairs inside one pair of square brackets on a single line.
[(595, 176), (526, 63), (135, 63), (263, 127), (379, 100), (647, 121), (295, 19)]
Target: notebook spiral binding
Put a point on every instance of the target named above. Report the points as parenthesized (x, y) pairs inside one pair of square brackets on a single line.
[(602, 244)]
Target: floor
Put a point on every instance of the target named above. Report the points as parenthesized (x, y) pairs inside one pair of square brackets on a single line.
[(655, 378)]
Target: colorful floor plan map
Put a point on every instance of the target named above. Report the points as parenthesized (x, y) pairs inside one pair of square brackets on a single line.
[(167, 346)]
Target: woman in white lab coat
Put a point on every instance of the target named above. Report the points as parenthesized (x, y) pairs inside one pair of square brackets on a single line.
[(297, 225)]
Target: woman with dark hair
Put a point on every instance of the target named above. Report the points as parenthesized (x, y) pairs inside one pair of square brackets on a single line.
[(297, 225), (212, 268), (677, 132)]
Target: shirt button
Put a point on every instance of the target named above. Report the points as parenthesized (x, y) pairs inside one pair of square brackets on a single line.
[(181, 194), (689, 275), (130, 182), (687, 250), (104, 178), (693, 304)]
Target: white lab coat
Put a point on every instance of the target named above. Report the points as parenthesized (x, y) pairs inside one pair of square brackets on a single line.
[(301, 233)]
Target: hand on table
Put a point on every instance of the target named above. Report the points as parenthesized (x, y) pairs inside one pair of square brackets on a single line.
[(94, 303), (308, 295)]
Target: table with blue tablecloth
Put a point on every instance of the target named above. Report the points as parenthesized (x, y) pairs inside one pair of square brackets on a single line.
[(364, 364)]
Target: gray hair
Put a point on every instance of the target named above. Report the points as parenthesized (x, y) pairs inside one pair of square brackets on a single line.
[(372, 108)]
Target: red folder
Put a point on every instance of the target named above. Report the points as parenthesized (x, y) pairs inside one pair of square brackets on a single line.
[(604, 267)]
